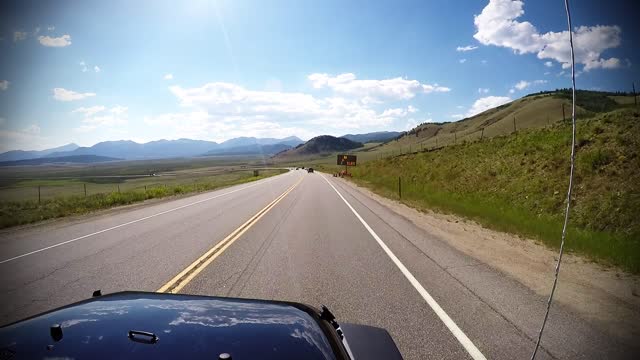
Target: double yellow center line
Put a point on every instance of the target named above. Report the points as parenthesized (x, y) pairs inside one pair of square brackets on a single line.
[(185, 276)]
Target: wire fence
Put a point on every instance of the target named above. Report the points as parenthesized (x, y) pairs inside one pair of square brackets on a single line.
[(496, 129), (54, 189), (41, 193)]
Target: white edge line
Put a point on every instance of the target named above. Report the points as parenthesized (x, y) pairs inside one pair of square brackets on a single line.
[(134, 221), (448, 322)]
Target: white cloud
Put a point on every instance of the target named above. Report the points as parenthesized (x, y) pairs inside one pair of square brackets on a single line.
[(487, 103), (462, 61), (51, 28), (119, 110), (19, 35), (62, 41), (395, 112), (412, 123), (497, 25), (548, 64), (114, 117), (85, 67), (522, 84), (466, 48), (88, 111), (168, 77), (61, 94), (230, 109), (457, 116), (483, 90), (202, 125), (4, 85), (12, 140), (373, 90), (484, 62), (434, 88), (33, 129)]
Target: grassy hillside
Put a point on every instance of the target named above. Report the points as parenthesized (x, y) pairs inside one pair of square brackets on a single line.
[(21, 211), (518, 183), (533, 111), (320, 146)]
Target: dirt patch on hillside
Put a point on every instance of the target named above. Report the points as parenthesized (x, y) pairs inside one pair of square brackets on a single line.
[(608, 297)]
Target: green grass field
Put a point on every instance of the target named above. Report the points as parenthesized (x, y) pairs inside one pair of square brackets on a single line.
[(22, 183), (63, 197), (518, 184)]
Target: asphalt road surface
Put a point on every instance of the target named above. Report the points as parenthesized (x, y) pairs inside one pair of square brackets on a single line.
[(302, 237)]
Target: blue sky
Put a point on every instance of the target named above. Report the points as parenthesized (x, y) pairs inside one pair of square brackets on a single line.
[(90, 71)]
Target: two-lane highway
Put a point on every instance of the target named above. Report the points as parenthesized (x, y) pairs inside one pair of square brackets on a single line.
[(302, 237)]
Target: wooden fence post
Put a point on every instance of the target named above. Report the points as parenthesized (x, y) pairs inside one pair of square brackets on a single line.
[(482, 134), (399, 187), (85, 189), (38, 194)]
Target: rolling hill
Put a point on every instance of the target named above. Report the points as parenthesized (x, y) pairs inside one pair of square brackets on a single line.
[(532, 111), (517, 183), (380, 136), (321, 145)]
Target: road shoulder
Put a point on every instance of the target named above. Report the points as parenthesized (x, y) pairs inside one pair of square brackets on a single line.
[(607, 298)]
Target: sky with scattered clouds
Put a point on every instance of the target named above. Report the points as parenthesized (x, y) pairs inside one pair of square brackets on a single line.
[(92, 71)]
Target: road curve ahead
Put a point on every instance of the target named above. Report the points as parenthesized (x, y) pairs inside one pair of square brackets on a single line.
[(302, 237)]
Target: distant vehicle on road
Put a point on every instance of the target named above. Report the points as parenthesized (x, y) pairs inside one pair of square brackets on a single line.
[(142, 325), (310, 170)]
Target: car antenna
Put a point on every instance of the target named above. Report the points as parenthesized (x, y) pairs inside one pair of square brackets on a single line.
[(573, 153)]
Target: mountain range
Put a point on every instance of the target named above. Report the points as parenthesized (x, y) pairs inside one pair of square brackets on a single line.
[(80, 159), (131, 150), (15, 155)]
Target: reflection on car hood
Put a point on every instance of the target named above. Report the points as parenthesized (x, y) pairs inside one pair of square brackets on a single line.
[(186, 326)]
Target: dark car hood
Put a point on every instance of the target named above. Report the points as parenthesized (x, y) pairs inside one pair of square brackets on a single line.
[(186, 326)]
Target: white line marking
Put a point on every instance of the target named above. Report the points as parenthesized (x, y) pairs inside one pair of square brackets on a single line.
[(135, 221), (448, 322)]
